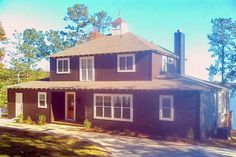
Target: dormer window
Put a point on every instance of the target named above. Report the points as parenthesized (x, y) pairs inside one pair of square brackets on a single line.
[(63, 65), (164, 63), (126, 63)]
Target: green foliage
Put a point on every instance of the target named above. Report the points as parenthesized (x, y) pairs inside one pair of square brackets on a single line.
[(222, 40), (87, 124), (2, 39), (9, 77), (41, 119), (20, 118), (28, 120), (78, 18), (101, 21), (190, 134)]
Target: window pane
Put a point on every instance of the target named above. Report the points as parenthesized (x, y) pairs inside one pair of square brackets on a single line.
[(130, 63), (90, 64), (83, 73), (59, 66), (126, 101), (65, 66), (126, 113), (99, 101), (107, 112), (117, 101), (42, 102), (107, 101), (166, 113), (122, 63), (90, 75), (41, 96), (164, 63), (99, 112), (117, 112), (83, 64), (166, 103)]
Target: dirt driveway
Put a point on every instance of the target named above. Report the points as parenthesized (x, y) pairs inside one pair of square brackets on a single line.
[(121, 146)]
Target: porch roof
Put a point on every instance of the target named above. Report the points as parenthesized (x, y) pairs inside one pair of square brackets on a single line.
[(161, 82)]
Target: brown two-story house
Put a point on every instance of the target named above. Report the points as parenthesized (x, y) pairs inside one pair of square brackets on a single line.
[(121, 81)]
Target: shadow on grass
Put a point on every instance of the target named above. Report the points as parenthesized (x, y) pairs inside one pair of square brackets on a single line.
[(25, 143)]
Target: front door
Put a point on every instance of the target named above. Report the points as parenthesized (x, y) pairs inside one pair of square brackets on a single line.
[(70, 106), (19, 104)]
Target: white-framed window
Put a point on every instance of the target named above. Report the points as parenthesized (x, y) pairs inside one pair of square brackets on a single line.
[(63, 65), (86, 69), (42, 100), (164, 63), (170, 60), (113, 107), (166, 107), (126, 63)]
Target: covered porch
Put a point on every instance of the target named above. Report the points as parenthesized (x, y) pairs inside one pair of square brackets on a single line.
[(66, 108)]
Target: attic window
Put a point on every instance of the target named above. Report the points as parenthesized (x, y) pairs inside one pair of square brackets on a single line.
[(63, 65), (126, 63)]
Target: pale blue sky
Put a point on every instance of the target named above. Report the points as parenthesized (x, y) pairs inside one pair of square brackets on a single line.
[(155, 20)]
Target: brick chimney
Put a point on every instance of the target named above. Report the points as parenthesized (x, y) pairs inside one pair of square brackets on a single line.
[(179, 49), (119, 27)]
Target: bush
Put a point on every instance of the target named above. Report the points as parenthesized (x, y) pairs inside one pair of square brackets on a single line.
[(190, 134), (41, 119), (87, 124), (28, 120), (20, 118)]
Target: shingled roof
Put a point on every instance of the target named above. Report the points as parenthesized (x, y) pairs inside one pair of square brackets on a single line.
[(161, 82), (127, 43)]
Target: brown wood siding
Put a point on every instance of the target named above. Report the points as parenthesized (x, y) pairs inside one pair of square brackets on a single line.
[(106, 68), (146, 113), (30, 104), (156, 65), (72, 76), (145, 110)]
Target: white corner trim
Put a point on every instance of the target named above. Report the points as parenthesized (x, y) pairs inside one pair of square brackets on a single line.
[(126, 55), (171, 97), (63, 72), (45, 96)]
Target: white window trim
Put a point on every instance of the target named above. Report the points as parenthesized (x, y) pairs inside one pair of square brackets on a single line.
[(80, 70), (171, 97), (164, 67), (63, 72), (112, 107), (45, 95), (126, 55), (66, 106)]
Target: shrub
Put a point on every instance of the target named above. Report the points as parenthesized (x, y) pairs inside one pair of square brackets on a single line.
[(28, 120), (190, 134), (41, 119), (20, 118), (87, 124)]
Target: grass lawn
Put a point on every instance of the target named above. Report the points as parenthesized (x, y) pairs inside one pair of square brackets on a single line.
[(24, 144)]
